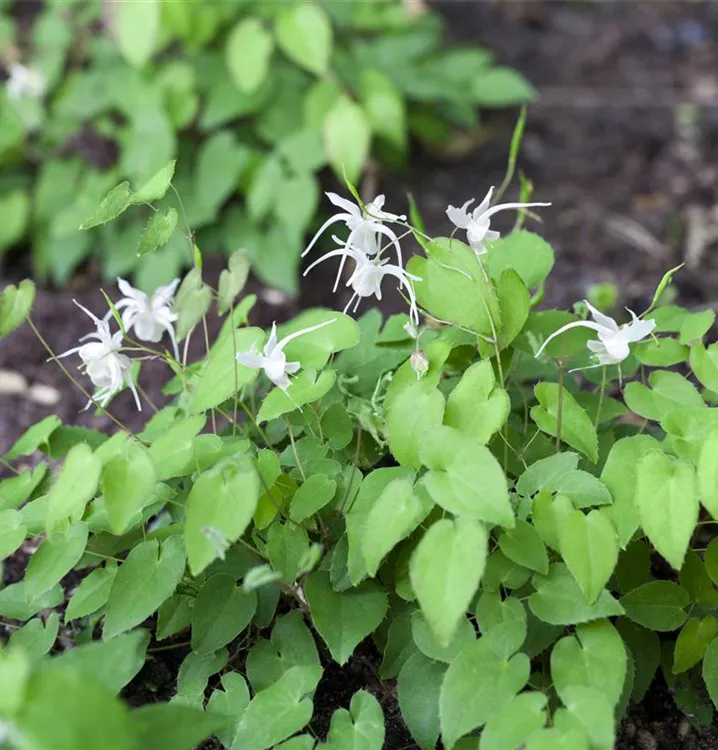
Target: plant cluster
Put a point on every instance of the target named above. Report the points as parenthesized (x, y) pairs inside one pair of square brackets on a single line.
[(255, 97), (512, 504)]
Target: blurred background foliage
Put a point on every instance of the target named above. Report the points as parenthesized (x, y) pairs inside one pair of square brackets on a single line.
[(256, 99)]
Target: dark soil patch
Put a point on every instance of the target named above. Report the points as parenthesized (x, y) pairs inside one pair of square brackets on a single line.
[(622, 142)]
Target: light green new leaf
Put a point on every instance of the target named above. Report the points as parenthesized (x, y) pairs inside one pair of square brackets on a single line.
[(312, 350), (92, 593), (279, 711), (232, 281), (692, 641), (445, 571), (524, 546), (306, 388), (465, 477), (410, 418), (467, 702), (145, 579), (594, 657), (136, 28), (385, 108), (710, 670), (548, 514), (15, 305), (116, 201), (192, 302), (54, 559), (157, 186), (16, 489), (128, 482), (36, 637), (34, 437), (220, 613), (514, 306), (230, 701), (545, 473), (707, 473), (589, 710), (157, 232), (515, 722), (12, 532), (311, 497), (502, 622), (428, 645), (248, 52), (73, 488), (476, 406), (359, 728), (576, 427), (343, 619), (620, 476), (172, 726), (658, 605), (704, 363), (418, 689), (287, 548), (396, 513), (589, 547), (172, 451), (669, 390), (499, 86), (16, 604), (559, 600), (524, 252), (667, 503), (304, 34), (347, 138), (220, 506)]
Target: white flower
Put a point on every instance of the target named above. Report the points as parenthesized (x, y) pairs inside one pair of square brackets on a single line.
[(149, 316), (273, 360), (24, 81), (108, 369), (613, 340), (419, 363), (365, 228), (368, 275), (477, 223)]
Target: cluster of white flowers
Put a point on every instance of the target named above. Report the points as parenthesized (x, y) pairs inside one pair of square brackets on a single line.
[(103, 360)]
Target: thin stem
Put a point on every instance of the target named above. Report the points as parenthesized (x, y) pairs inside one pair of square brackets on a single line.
[(147, 398), (186, 222), (72, 378), (351, 476), (236, 373), (206, 346), (170, 647), (559, 414), (294, 450), (600, 396), (9, 466)]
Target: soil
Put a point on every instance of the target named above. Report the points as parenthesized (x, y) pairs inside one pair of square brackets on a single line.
[(622, 142)]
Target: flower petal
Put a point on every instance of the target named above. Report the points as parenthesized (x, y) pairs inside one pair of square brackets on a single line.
[(459, 216), (505, 206), (568, 327), (602, 320), (345, 204)]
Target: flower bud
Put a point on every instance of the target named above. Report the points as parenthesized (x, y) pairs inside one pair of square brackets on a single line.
[(419, 363)]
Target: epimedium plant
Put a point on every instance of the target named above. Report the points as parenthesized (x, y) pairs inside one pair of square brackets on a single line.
[(512, 505), (256, 97)]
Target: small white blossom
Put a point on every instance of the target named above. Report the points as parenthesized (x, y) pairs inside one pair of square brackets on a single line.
[(419, 363), (149, 316), (24, 81), (368, 275), (102, 361), (477, 223), (273, 360), (613, 342), (365, 228), (411, 330)]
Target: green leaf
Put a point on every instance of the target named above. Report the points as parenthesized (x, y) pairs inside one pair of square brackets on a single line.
[(157, 186), (306, 388), (707, 473), (128, 483), (396, 513), (359, 728), (220, 613), (345, 619), (695, 326), (524, 252), (287, 547), (589, 547), (658, 605), (12, 532), (524, 546), (113, 663), (15, 670), (313, 350), (347, 137), (220, 504), (232, 280), (594, 657), (445, 571), (193, 300), (620, 476), (692, 641), (312, 496), (558, 600), (467, 703), (413, 415), (669, 390), (515, 722), (295, 202), (667, 502), (54, 559), (465, 478), (172, 451), (157, 232), (92, 593), (704, 363), (428, 645), (384, 107), (590, 711), (710, 670), (36, 637), (230, 702), (502, 622), (279, 711), (136, 28), (645, 649), (576, 427), (514, 305), (418, 689), (14, 215), (248, 52), (545, 473), (15, 490), (147, 577), (304, 33), (548, 514), (663, 352), (501, 87), (115, 202), (477, 406), (662, 284), (172, 726), (16, 604), (15, 305)]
